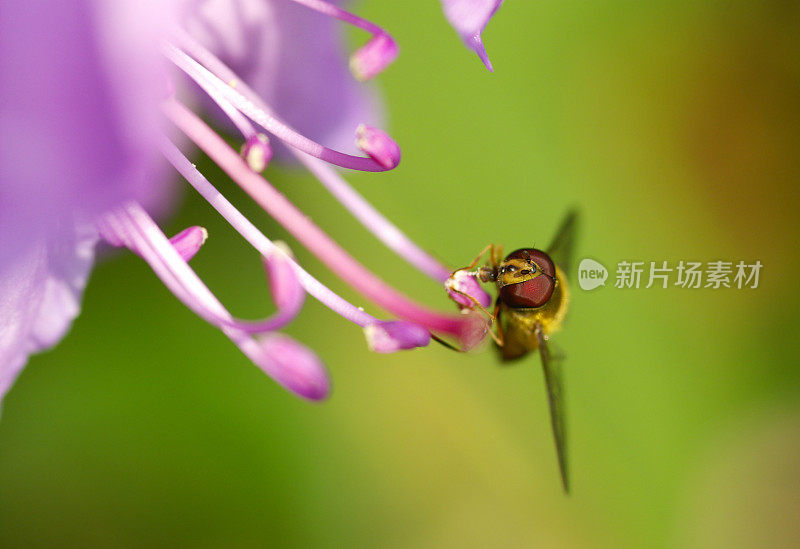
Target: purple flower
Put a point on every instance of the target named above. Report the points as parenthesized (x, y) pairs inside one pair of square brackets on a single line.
[(90, 99), (469, 17), (64, 100), (66, 95), (40, 292)]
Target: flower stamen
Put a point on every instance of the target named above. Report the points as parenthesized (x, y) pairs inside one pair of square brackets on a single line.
[(299, 370), (369, 217), (373, 57), (240, 98), (189, 241), (310, 235), (406, 338), (257, 152), (375, 222)]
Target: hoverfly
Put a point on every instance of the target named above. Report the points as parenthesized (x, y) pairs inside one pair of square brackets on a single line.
[(532, 300)]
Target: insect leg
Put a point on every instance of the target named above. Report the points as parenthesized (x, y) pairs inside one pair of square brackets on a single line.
[(498, 337), (475, 301), (489, 248)]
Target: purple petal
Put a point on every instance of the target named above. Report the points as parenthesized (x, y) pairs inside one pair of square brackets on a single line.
[(79, 85), (295, 366), (40, 293), (469, 17), (295, 59), (396, 335)]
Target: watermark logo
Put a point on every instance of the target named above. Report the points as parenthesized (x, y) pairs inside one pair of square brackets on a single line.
[(591, 274), (662, 274)]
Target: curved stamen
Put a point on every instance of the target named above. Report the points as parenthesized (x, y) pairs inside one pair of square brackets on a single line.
[(342, 15), (257, 239), (373, 57), (370, 59), (188, 242), (256, 149), (300, 372), (382, 336), (239, 120), (172, 269), (265, 118), (117, 229), (311, 236), (383, 229), (370, 218)]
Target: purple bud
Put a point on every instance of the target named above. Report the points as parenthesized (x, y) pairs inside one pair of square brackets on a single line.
[(189, 241), (378, 145), (295, 366), (257, 152), (395, 335), (373, 57), (466, 283)]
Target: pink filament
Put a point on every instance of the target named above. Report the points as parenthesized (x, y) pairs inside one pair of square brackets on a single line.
[(316, 240)]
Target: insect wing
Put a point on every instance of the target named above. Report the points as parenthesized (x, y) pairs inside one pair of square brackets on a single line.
[(551, 365), (561, 249)]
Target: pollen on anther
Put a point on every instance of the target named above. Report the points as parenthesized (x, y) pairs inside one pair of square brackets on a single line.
[(257, 152)]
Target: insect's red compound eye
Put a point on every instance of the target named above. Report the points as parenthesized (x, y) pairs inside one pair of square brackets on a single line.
[(538, 257), (531, 293)]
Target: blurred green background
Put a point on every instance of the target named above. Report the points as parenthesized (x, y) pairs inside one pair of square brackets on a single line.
[(674, 126)]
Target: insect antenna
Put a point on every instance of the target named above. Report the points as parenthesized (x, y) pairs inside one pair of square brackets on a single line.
[(446, 343)]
